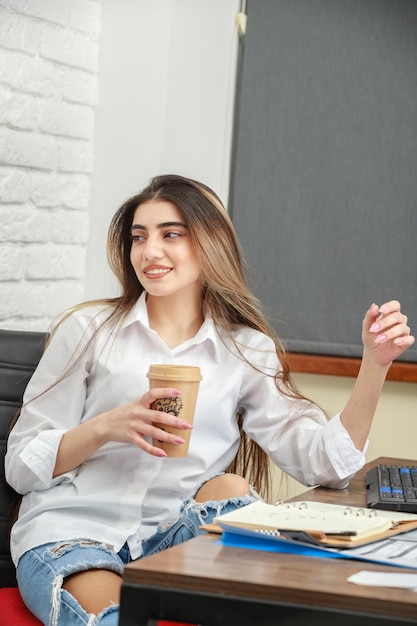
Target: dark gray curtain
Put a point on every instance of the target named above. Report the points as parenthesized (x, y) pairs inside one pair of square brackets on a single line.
[(324, 188)]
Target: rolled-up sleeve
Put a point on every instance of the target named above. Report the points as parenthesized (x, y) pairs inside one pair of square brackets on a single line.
[(38, 457), (53, 403), (345, 458), (294, 432)]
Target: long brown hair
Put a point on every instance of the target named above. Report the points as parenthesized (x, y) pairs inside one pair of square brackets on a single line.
[(225, 289)]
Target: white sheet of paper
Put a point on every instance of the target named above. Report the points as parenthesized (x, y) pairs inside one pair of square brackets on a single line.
[(384, 579)]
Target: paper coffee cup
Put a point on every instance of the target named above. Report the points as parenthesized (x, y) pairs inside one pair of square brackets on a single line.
[(186, 378)]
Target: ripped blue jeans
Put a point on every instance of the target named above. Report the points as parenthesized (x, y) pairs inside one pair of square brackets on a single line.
[(41, 571)]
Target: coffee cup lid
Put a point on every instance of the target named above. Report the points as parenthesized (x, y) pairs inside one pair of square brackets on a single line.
[(174, 372)]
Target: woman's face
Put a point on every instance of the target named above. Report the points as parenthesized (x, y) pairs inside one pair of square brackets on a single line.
[(162, 254)]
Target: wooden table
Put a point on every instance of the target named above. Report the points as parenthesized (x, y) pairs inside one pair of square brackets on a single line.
[(204, 582)]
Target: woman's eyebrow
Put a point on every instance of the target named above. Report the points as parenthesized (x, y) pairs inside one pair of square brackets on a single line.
[(161, 225)]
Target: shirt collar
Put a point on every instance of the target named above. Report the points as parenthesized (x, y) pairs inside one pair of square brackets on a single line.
[(207, 332), (138, 313)]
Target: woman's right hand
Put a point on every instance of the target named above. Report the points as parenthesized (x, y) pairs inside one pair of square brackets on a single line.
[(135, 422)]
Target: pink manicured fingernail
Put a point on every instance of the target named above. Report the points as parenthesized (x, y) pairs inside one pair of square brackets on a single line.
[(381, 339), (178, 440), (398, 341), (374, 328)]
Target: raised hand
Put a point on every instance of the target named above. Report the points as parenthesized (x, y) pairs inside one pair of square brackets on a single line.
[(385, 332)]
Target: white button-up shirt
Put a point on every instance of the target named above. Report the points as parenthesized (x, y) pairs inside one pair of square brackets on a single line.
[(121, 493)]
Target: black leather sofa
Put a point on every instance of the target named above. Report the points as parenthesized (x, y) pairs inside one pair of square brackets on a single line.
[(20, 352)]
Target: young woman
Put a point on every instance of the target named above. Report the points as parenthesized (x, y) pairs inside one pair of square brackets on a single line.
[(96, 492)]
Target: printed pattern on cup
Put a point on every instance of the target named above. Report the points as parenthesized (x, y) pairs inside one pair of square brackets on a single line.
[(168, 405)]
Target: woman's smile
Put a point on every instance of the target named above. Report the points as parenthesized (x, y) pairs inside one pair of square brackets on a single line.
[(156, 271)]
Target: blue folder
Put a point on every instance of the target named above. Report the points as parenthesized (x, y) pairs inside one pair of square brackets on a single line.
[(244, 539), (239, 537)]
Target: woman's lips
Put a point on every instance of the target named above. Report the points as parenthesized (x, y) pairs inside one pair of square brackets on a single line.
[(156, 272)]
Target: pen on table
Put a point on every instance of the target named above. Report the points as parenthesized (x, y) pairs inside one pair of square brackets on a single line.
[(323, 535)]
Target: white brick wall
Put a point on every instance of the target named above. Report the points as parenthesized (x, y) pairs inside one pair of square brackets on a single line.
[(48, 94)]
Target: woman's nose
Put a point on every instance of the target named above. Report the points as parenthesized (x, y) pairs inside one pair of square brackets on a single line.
[(152, 248)]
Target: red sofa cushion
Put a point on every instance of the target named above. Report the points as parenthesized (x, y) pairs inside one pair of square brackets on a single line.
[(14, 610), (15, 613)]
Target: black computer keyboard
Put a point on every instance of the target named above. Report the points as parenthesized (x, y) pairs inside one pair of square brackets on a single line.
[(392, 487)]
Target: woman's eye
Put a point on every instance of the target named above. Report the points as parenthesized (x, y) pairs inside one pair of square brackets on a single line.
[(172, 235), (137, 237)]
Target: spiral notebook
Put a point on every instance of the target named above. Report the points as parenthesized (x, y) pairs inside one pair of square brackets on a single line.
[(324, 524)]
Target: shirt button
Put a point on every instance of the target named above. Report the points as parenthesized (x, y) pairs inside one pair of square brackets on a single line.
[(165, 360), (151, 465)]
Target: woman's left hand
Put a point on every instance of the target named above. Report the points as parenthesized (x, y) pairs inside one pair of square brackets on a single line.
[(385, 332)]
